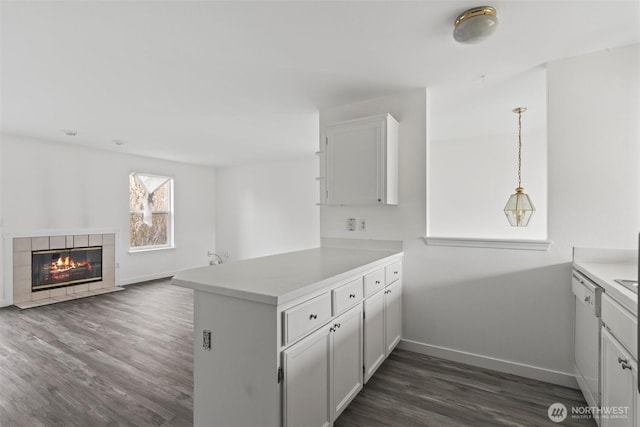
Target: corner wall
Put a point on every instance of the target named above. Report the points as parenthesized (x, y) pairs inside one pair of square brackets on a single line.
[(268, 208), (54, 187), (512, 310)]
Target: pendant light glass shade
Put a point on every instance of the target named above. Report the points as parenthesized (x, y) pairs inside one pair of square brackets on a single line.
[(519, 208)]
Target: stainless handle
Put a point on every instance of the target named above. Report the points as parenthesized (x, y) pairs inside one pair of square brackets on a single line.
[(587, 298), (336, 325), (395, 272), (352, 295), (313, 316), (626, 366), (621, 360), (377, 282), (387, 291)]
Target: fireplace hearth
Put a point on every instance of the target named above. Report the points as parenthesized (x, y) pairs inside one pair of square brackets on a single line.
[(64, 267)]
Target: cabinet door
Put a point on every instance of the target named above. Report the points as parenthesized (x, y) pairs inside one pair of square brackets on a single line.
[(307, 369), (374, 343), (393, 315), (347, 359), (619, 387), (362, 161)]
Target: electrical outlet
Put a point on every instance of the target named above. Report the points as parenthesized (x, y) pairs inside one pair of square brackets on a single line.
[(363, 225), (206, 339), (351, 224)]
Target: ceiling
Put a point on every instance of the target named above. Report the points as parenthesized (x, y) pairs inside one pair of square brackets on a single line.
[(225, 83)]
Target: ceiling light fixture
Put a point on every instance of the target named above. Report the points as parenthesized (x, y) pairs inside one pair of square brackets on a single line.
[(475, 25), (519, 208), (69, 132), (119, 142)]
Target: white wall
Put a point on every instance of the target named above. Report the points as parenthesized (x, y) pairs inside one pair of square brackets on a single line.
[(52, 187), (407, 219), (511, 309), (267, 208), (473, 153)]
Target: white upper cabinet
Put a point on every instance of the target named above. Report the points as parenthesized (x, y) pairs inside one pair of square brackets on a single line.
[(362, 161)]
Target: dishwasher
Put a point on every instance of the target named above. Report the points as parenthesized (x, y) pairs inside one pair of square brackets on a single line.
[(587, 338)]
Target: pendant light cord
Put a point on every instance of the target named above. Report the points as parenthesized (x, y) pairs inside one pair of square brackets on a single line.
[(519, 149)]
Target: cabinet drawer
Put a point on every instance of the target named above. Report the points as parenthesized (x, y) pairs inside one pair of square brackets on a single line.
[(621, 323), (346, 296), (392, 272), (305, 317), (373, 282)]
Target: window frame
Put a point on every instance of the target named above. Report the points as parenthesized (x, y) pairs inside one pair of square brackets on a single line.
[(170, 217)]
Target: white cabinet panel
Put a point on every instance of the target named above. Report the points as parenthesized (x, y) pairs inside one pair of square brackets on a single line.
[(374, 343), (347, 359), (393, 315), (619, 384), (347, 296), (306, 316), (307, 381), (361, 161)]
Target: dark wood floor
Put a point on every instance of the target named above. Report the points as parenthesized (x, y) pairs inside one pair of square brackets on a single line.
[(412, 389), (126, 359)]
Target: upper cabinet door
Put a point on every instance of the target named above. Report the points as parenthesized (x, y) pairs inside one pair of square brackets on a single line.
[(362, 161)]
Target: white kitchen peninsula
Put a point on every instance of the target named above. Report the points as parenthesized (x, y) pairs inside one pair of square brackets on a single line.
[(280, 340)]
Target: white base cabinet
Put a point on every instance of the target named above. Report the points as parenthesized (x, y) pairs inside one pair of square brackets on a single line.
[(619, 366), (323, 372), (619, 384), (295, 364), (374, 342), (306, 393), (383, 320)]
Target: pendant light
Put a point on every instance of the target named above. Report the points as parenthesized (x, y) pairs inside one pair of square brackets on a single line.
[(519, 208)]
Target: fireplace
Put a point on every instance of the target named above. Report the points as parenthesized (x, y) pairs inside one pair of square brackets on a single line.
[(57, 268)]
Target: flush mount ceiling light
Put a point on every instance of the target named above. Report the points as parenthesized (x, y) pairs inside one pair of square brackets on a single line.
[(519, 208), (475, 25), (69, 132)]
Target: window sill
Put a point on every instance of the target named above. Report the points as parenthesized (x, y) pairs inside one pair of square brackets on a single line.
[(151, 249), (527, 245)]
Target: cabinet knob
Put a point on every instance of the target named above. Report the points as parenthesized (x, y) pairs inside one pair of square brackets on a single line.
[(388, 291), (352, 295), (621, 360), (313, 316), (377, 282), (626, 366), (395, 272), (587, 298)]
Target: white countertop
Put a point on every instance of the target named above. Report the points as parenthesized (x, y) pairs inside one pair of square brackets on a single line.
[(605, 274), (278, 279)]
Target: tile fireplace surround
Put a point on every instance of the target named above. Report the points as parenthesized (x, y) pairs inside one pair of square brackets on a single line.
[(24, 297)]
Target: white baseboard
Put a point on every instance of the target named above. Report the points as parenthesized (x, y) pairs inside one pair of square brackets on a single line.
[(528, 371), (3, 303), (146, 278)]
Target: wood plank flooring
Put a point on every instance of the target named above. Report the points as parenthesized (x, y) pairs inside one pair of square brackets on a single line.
[(119, 359), (126, 359), (412, 389)]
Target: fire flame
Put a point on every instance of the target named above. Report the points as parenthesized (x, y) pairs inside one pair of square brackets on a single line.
[(65, 264)]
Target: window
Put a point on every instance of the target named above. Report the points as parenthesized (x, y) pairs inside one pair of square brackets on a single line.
[(150, 212), (472, 161)]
